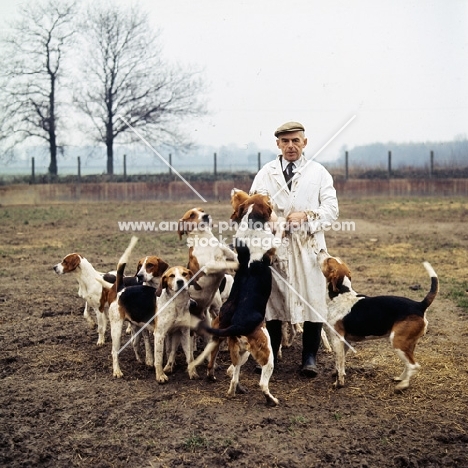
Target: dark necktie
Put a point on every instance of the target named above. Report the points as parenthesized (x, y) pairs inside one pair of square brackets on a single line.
[(288, 174)]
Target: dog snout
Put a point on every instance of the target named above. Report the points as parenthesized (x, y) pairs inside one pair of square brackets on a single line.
[(206, 218), (322, 255), (180, 284)]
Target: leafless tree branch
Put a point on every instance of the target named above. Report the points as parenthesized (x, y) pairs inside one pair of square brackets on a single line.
[(126, 75), (32, 54)]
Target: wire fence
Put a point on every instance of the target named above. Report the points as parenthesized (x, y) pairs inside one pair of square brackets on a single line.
[(35, 170)]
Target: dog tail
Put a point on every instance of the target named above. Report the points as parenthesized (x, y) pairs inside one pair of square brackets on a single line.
[(233, 330), (123, 262), (104, 283), (431, 295)]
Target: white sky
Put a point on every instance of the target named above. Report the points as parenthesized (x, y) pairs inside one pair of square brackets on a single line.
[(400, 66)]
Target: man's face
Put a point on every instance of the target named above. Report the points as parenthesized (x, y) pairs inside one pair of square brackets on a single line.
[(291, 145)]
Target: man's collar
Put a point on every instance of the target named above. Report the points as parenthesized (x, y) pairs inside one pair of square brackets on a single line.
[(284, 163)]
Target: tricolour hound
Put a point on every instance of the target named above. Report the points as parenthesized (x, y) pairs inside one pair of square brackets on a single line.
[(356, 317), (241, 321)]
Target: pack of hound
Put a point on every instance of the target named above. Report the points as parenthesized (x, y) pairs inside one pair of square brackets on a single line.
[(221, 293)]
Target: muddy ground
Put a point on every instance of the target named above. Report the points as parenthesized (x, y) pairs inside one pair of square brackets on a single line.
[(61, 407)]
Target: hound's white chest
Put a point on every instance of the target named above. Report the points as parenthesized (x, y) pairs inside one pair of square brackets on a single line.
[(206, 249)]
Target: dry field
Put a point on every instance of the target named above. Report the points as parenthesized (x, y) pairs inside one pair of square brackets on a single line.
[(61, 407)]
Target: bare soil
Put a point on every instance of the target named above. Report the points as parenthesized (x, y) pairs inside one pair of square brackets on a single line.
[(61, 407)]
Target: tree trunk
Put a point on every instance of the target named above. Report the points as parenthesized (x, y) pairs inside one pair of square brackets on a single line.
[(110, 160), (53, 170), (110, 150)]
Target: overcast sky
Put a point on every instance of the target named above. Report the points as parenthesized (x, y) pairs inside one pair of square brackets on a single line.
[(400, 66)]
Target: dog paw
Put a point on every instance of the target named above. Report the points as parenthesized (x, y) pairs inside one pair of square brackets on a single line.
[(241, 389), (271, 400), (100, 341), (193, 375), (337, 384), (230, 370), (162, 378), (403, 385), (118, 373), (168, 369)]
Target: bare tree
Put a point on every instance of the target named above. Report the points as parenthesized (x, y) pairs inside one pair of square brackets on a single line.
[(32, 56), (125, 80)]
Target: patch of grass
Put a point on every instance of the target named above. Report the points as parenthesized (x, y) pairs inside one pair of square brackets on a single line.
[(299, 420), (195, 442), (458, 293), (227, 442), (296, 422), (337, 416)]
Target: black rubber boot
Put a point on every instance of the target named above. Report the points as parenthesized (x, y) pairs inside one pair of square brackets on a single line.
[(274, 330), (311, 337)]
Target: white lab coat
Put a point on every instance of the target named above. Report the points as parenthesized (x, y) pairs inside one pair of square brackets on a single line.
[(299, 295)]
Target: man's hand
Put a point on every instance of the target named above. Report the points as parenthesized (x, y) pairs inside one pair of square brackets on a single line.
[(295, 220), (297, 217)]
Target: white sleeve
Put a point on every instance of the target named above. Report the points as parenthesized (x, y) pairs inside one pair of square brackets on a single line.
[(328, 210)]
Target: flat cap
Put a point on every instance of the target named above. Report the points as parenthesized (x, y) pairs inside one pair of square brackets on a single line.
[(289, 127)]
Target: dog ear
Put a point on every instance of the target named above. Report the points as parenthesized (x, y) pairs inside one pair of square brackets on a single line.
[(237, 197), (269, 256), (193, 282), (335, 277), (181, 228), (193, 264), (140, 264), (241, 210), (162, 267), (335, 280), (72, 261), (264, 206), (162, 285)]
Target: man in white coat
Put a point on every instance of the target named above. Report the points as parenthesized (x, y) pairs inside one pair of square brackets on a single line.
[(302, 192)]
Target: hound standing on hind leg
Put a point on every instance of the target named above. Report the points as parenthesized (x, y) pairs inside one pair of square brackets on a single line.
[(241, 321)]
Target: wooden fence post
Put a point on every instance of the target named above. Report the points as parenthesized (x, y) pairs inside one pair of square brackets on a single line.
[(170, 163), (431, 168), (79, 168), (125, 166), (389, 164), (346, 166), (215, 169), (33, 171), (259, 161)]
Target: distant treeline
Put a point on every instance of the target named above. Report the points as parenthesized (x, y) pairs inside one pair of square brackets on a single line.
[(446, 154)]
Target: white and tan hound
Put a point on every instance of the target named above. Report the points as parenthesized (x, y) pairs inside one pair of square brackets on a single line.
[(173, 320), (209, 260)]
